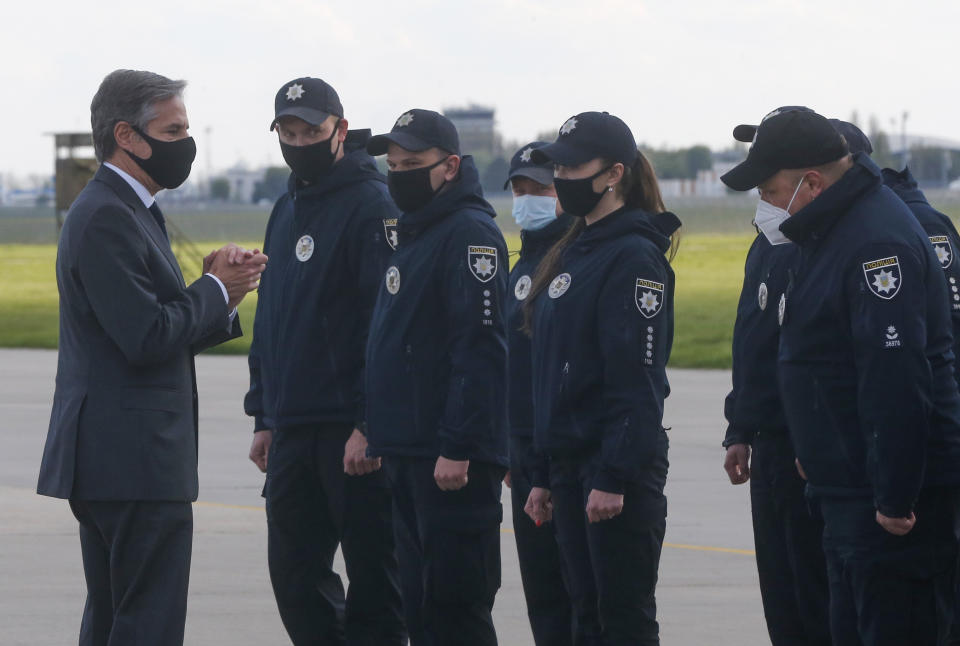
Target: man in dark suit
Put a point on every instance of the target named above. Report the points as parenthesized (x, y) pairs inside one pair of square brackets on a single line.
[(122, 442)]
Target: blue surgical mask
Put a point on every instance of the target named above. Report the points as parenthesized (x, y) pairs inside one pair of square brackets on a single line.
[(534, 212)]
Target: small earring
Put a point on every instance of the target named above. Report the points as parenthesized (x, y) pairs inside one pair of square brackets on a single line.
[(609, 189)]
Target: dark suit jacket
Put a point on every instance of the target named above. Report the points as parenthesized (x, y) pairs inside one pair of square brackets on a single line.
[(124, 419)]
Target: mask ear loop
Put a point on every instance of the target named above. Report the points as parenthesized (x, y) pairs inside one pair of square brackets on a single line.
[(789, 204)]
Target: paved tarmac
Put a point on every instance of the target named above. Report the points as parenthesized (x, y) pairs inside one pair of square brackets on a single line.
[(707, 593)]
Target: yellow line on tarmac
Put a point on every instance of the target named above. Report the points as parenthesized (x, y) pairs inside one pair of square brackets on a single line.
[(508, 530), (708, 548)]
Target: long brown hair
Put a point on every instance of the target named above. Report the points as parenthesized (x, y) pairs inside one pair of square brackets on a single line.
[(639, 189)]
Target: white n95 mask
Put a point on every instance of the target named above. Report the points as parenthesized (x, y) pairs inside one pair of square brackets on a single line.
[(769, 218)]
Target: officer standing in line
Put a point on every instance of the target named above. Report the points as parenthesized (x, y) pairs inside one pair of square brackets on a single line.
[(306, 365), (865, 371), (943, 236), (436, 382), (600, 312), (787, 538), (541, 225)]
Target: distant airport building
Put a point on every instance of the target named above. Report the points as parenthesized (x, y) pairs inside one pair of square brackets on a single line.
[(243, 182), (475, 124)]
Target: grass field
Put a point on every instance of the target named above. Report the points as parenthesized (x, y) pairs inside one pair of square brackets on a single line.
[(708, 268)]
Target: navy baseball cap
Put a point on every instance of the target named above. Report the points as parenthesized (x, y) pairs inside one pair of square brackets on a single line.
[(857, 142), (522, 165), (417, 130), (590, 135), (310, 99), (789, 137)]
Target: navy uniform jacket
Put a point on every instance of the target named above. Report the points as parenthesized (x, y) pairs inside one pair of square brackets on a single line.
[(124, 419), (437, 351), (534, 246), (602, 334), (943, 236), (328, 244), (866, 360), (754, 403)]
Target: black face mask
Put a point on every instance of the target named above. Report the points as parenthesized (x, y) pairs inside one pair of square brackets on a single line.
[(411, 189), (309, 163), (169, 165), (577, 196)]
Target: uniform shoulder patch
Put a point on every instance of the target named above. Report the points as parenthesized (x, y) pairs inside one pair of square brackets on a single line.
[(559, 286), (648, 297), (941, 245), (883, 277), (390, 232), (482, 262)]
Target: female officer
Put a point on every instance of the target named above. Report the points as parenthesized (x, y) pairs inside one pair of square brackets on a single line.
[(535, 210), (601, 317)]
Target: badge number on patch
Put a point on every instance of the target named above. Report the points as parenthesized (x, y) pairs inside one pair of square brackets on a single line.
[(649, 297), (941, 245), (390, 232), (482, 262), (883, 277)]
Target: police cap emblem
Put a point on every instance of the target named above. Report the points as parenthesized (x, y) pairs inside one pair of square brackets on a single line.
[(482, 262), (941, 245), (883, 277), (559, 286), (304, 248), (392, 280), (648, 297)]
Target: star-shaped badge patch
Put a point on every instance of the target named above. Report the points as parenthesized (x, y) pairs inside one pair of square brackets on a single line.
[(294, 92), (525, 155), (568, 126), (404, 120), (885, 281)]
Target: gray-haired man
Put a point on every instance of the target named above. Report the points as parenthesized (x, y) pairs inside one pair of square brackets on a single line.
[(122, 443)]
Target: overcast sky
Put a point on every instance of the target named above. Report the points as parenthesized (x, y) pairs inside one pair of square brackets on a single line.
[(679, 72)]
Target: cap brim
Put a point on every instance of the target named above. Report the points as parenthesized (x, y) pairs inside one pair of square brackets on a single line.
[(379, 144), (540, 175), (561, 153), (311, 116), (745, 133), (748, 175)]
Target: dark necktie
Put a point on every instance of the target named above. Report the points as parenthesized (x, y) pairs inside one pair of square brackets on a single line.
[(158, 216)]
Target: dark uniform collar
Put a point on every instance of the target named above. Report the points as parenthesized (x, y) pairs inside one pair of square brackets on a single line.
[(904, 185), (814, 221), (536, 242), (657, 227)]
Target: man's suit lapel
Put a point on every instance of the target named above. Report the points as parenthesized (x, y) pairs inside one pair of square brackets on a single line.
[(142, 214)]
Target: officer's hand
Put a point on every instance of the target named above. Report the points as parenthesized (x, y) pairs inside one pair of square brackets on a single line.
[(539, 506), (602, 505), (803, 474), (507, 480), (261, 448), (355, 460), (897, 526), (451, 475), (737, 463)]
